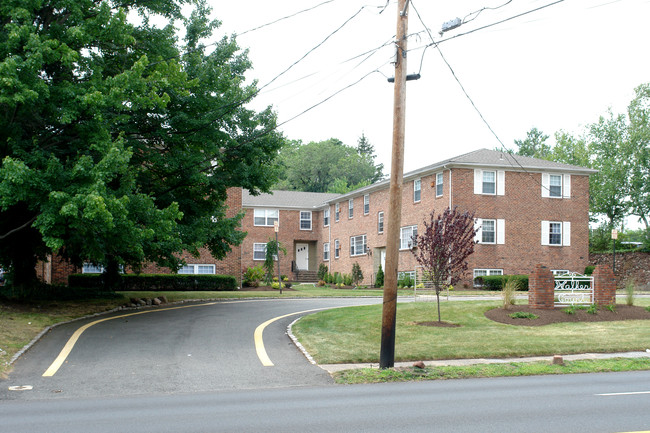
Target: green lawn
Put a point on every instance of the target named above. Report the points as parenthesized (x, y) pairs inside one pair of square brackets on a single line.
[(351, 335)]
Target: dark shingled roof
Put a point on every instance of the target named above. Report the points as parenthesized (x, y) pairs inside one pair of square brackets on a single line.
[(478, 158), (287, 199)]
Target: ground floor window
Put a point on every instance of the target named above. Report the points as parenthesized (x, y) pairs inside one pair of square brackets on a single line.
[(484, 273), (89, 268), (195, 269), (326, 251), (259, 251)]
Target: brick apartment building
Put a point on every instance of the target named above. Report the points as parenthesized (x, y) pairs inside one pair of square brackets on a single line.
[(528, 211)]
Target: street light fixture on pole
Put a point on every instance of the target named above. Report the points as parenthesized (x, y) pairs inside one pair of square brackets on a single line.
[(389, 313)]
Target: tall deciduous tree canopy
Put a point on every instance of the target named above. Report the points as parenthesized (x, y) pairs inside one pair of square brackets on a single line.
[(618, 146), (119, 139), (328, 166)]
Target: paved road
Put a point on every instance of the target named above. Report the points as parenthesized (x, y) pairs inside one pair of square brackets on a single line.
[(195, 348), (560, 404)]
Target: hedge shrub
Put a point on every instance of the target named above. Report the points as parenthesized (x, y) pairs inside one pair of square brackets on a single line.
[(159, 282), (496, 282)]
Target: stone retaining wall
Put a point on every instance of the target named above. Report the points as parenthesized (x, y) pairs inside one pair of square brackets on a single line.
[(634, 265)]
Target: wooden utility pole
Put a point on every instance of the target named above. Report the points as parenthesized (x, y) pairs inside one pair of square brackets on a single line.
[(389, 314)]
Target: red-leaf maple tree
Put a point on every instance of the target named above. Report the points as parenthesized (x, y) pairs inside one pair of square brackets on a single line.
[(443, 248)]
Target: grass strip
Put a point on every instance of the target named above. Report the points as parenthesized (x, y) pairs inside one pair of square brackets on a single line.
[(370, 375)]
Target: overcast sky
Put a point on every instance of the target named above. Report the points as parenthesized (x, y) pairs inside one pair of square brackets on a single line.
[(558, 68)]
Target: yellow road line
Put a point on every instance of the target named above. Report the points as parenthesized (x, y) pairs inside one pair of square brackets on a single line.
[(259, 342), (58, 362)]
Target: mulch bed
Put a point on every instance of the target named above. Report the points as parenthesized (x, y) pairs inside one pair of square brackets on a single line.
[(558, 315)]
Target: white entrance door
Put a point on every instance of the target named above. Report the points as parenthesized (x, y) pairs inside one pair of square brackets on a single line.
[(302, 256)]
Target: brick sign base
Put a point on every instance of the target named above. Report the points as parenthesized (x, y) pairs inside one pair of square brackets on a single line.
[(541, 287)]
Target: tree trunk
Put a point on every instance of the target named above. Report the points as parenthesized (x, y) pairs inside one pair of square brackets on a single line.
[(111, 275), (438, 297)]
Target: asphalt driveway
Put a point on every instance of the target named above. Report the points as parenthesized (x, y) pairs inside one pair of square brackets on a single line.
[(195, 348)]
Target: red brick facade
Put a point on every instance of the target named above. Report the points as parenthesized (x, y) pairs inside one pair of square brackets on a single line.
[(523, 219)]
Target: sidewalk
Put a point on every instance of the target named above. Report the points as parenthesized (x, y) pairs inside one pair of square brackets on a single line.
[(331, 368)]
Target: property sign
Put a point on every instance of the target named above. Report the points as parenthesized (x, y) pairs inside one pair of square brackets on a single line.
[(572, 289)]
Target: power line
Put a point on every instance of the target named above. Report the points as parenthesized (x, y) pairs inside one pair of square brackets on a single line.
[(469, 98), (284, 18)]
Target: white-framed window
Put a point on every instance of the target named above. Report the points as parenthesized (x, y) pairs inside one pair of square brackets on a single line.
[(439, 184), (89, 268), (326, 251), (197, 269), (337, 249), (556, 233), (366, 204), (556, 185), (490, 231), (489, 182), (358, 245), (380, 222), (259, 251), (486, 272), (417, 190), (305, 220), (403, 274), (326, 217), (351, 208), (265, 217), (407, 237), (337, 212)]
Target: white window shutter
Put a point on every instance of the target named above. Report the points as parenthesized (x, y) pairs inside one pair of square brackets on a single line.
[(501, 182), (478, 181), (546, 185), (478, 226), (566, 233), (501, 231), (546, 228), (566, 187)]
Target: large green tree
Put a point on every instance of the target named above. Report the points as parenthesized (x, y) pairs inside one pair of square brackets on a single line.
[(328, 166), (534, 145), (639, 136), (608, 144), (119, 139)]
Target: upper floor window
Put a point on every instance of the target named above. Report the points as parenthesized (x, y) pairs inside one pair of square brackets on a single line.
[(407, 237), (417, 190), (305, 220), (326, 217), (337, 212), (557, 233), (265, 217), (439, 184), (350, 208), (490, 231), (366, 204), (489, 182), (556, 185), (197, 269), (380, 222), (358, 245)]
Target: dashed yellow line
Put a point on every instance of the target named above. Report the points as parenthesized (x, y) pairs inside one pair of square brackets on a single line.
[(63, 355), (259, 342)]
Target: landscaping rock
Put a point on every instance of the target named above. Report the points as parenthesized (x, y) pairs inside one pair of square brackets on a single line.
[(419, 364)]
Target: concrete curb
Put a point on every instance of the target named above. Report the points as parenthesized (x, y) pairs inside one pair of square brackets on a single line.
[(332, 368)]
